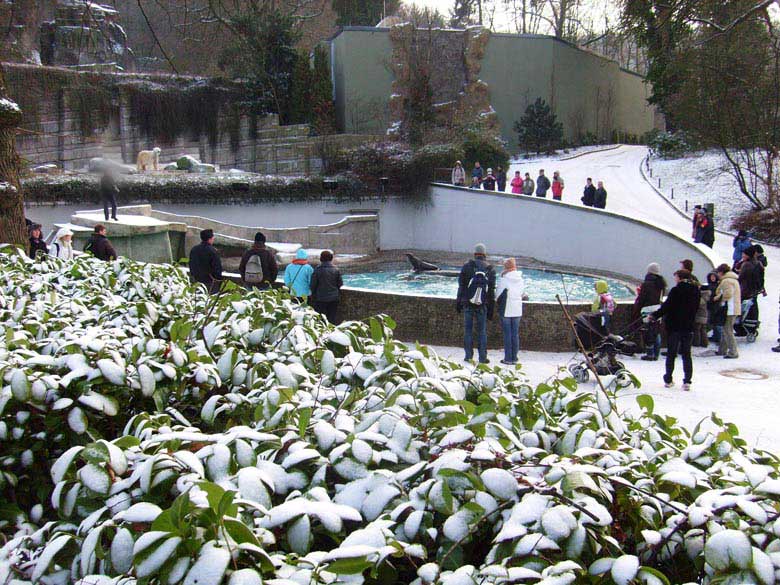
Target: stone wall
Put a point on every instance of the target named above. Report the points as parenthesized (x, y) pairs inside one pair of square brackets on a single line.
[(71, 117), (434, 321)]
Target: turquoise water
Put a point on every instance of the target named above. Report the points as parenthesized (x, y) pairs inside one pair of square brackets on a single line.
[(539, 284)]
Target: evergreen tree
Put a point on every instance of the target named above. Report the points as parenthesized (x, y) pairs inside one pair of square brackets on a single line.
[(363, 12), (301, 91), (539, 129), (323, 121)]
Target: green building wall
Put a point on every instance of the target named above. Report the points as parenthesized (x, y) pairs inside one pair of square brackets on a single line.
[(589, 93)]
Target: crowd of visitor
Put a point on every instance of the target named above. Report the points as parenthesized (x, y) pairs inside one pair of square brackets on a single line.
[(320, 287), (592, 195)]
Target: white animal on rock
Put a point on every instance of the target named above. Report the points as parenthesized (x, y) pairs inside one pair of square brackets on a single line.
[(148, 159)]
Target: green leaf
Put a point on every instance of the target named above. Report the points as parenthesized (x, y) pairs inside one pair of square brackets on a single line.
[(239, 532), (646, 402), (447, 495), (655, 573), (475, 481), (164, 522), (95, 453), (377, 334), (214, 493), (304, 416), (225, 506), (350, 566), (127, 442)]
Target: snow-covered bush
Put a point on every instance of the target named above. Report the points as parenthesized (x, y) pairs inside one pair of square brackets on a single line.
[(241, 439), (670, 144)]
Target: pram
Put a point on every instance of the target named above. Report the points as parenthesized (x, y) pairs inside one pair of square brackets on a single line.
[(602, 350), (747, 324), (590, 329)]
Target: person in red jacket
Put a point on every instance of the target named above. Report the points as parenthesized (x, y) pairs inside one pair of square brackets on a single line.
[(557, 186)]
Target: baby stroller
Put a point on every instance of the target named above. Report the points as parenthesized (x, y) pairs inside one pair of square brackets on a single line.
[(591, 331), (604, 359), (747, 324), (602, 348)]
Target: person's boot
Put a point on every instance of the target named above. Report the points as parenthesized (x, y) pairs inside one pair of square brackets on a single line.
[(776, 348)]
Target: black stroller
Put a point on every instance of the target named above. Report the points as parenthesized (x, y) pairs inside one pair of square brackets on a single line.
[(747, 324), (602, 347)]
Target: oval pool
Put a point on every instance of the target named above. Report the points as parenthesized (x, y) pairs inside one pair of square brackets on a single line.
[(540, 285)]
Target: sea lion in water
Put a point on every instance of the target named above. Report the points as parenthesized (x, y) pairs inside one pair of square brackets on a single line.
[(420, 265)]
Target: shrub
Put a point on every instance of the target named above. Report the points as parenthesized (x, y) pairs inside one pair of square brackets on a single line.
[(670, 144), (490, 152), (240, 439), (189, 189)]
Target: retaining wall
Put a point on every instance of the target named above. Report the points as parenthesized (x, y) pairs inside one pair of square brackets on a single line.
[(53, 126), (434, 321), (455, 218), (353, 234)]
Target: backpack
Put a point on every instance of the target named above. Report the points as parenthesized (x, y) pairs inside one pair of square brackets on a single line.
[(253, 273), (476, 291)]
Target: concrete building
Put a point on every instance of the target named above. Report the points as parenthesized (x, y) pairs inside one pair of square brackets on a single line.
[(589, 93)]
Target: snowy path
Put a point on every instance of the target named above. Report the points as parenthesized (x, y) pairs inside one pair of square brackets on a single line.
[(752, 405)]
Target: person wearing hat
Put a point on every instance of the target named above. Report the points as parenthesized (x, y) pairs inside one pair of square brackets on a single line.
[(476, 295), (62, 247), (37, 244), (205, 264), (741, 242), (458, 174), (489, 182), (649, 294), (258, 267), (297, 276)]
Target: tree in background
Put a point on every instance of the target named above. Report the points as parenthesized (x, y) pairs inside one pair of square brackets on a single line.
[(262, 52), (323, 112), (12, 226), (539, 130), (363, 12), (300, 91), (465, 13), (715, 73)]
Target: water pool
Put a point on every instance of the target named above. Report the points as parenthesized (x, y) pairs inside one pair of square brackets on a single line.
[(540, 285)]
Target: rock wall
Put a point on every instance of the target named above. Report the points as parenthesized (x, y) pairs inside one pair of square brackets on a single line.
[(71, 117)]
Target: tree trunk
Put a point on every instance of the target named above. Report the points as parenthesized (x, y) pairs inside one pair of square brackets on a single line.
[(12, 226)]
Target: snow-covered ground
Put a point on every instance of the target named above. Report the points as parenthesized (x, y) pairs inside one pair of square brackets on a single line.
[(699, 178), (752, 404)]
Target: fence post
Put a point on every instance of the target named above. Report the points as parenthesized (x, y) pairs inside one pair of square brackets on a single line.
[(672, 192), (686, 206), (651, 171), (659, 182)]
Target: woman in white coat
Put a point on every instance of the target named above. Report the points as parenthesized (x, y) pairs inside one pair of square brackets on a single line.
[(510, 294), (62, 247)]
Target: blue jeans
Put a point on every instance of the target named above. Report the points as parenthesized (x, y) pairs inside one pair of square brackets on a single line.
[(654, 350), (469, 313), (510, 327)]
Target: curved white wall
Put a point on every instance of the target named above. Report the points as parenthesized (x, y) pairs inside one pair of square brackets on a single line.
[(456, 218)]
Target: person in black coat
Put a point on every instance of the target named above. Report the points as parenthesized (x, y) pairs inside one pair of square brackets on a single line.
[(600, 197), (108, 192), (99, 245), (679, 314), (37, 244), (651, 291), (325, 284), (267, 261), (205, 264), (501, 179), (589, 193)]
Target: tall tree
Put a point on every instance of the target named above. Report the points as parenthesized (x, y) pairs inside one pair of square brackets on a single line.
[(12, 227)]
